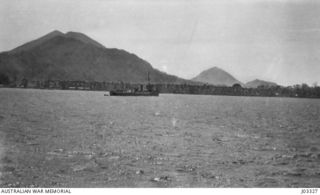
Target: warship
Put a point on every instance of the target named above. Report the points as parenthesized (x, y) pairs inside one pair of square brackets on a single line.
[(148, 90)]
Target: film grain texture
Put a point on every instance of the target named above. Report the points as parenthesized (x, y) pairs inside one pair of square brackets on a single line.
[(55, 138)]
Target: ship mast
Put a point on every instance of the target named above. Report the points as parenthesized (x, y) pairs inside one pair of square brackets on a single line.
[(148, 85)]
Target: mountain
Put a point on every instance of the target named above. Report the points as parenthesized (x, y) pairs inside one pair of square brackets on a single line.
[(75, 56), (37, 42), (216, 76), (84, 38), (256, 83)]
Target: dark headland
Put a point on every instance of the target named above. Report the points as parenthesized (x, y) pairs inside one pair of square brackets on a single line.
[(73, 60)]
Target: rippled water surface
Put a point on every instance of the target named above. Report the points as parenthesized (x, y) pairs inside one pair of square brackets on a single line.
[(53, 138)]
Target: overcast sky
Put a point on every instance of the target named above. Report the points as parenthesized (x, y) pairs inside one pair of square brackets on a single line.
[(275, 40)]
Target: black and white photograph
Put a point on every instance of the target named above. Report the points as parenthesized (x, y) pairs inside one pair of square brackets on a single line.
[(159, 94)]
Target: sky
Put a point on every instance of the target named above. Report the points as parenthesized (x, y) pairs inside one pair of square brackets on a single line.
[(273, 40)]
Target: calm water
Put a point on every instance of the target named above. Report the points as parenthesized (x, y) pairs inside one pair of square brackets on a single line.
[(55, 138)]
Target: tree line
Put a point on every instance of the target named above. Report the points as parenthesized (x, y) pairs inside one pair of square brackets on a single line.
[(302, 90)]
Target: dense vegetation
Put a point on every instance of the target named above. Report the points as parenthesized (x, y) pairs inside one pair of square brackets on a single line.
[(4, 79), (302, 90)]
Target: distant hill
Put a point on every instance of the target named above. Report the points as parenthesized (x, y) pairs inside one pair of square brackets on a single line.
[(216, 76), (75, 56), (256, 83)]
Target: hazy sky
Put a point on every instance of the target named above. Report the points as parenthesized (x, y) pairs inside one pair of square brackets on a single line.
[(275, 40)]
